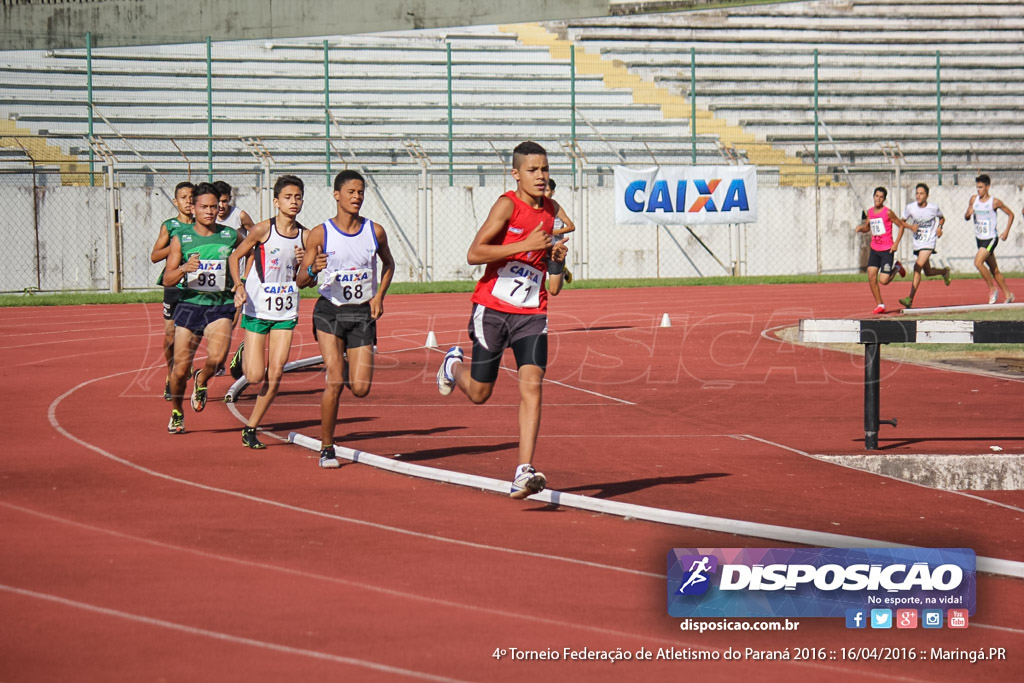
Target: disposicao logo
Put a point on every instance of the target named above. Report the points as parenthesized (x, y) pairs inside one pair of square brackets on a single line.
[(818, 582)]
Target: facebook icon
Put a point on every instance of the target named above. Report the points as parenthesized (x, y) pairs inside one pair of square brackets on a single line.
[(856, 618)]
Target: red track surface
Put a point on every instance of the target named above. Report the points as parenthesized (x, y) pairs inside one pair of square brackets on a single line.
[(130, 554)]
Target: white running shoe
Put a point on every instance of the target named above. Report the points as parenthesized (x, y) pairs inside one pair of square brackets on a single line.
[(445, 377), (1010, 298), (527, 482), (993, 296), (328, 460)]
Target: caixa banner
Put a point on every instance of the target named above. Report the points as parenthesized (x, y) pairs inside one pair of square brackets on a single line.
[(817, 582), (685, 195)]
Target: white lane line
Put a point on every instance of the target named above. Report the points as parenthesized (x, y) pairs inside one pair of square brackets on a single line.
[(55, 423), (226, 637)]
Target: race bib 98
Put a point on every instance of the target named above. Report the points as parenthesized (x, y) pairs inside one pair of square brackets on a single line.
[(211, 276)]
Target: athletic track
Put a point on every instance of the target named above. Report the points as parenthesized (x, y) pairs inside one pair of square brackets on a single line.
[(129, 554)]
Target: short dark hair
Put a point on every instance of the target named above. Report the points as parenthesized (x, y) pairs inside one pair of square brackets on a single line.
[(287, 180), (885, 192), (206, 188), (923, 187), (183, 185), (551, 184), (345, 176), (525, 149), (222, 188), (983, 178)]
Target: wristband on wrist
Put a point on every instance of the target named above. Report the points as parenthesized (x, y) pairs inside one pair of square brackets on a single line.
[(556, 267), (309, 270)]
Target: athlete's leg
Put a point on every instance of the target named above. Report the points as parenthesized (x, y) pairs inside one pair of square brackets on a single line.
[(531, 378), (280, 347), (218, 342), (873, 284), (254, 357), (169, 345), (997, 274), (478, 392), (332, 349), (980, 261), (185, 345), (360, 370)]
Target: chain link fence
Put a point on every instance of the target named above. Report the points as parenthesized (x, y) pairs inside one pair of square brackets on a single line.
[(99, 237)]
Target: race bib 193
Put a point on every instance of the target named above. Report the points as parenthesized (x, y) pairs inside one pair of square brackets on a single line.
[(211, 276), (518, 284), (277, 301)]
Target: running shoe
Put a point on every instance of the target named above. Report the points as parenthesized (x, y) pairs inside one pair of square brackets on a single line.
[(236, 361), (993, 296), (167, 390), (1010, 298), (906, 301), (328, 460), (900, 269), (445, 377), (249, 439), (567, 276), (177, 423), (946, 276), (220, 372), (198, 393), (880, 308), (527, 482)]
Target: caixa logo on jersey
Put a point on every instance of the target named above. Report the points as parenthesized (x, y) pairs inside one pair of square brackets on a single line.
[(685, 195), (816, 582)]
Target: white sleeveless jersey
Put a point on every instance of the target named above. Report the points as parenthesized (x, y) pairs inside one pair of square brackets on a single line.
[(927, 220), (233, 219), (350, 277), (985, 219), (270, 289)]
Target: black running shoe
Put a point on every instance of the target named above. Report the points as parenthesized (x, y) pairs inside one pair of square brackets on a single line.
[(328, 460), (236, 361), (167, 390), (249, 439), (198, 394)]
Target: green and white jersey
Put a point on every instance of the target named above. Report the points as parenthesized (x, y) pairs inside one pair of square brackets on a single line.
[(211, 284), (173, 227)]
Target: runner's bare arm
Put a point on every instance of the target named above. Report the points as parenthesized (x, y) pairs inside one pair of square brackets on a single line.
[(569, 225), (314, 259), (483, 250), (387, 271), (970, 207), (258, 234), (998, 204), (175, 269), (162, 246)]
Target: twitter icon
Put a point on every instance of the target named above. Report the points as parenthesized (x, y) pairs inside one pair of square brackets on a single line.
[(881, 618)]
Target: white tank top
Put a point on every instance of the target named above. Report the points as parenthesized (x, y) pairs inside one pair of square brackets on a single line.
[(927, 220), (350, 277), (985, 219), (271, 292), (233, 219)]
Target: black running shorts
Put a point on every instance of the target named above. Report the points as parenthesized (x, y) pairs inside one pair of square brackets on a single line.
[(493, 331), (172, 295), (351, 323), (881, 260)]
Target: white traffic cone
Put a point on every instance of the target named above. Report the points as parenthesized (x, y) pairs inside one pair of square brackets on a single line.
[(665, 322), (431, 342)]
